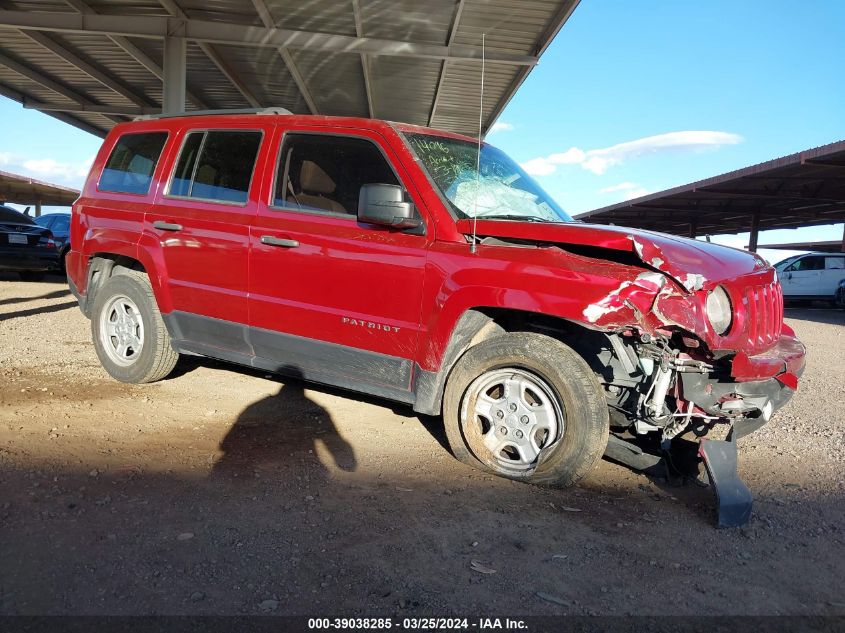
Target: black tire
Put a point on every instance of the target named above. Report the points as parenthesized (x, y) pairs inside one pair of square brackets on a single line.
[(32, 275), (157, 357), (580, 398)]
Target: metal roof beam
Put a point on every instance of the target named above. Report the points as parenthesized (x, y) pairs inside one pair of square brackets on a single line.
[(230, 74), (136, 53), (174, 9), (129, 111), (287, 58), (246, 35), (450, 38), (365, 59), (24, 99), (554, 28), (95, 72), (774, 196), (46, 81)]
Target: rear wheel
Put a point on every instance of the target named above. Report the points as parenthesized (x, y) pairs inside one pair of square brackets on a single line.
[(32, 275), (129, 335), (525, 406)]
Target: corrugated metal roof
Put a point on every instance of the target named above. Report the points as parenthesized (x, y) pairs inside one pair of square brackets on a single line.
[(402, 60), (802, 189), (26, 190)]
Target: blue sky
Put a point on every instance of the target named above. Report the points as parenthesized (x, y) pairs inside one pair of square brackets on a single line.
[(765, 78), (631, 98)]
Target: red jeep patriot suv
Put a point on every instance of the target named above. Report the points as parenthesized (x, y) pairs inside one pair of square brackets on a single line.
[(403, 262)]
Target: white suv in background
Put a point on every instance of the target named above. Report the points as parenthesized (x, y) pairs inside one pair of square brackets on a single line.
[(813, 276)]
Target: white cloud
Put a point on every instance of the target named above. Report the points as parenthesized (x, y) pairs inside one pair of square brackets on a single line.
[(636, 193), (47, 168), (629, 190), (599, 161), (539, 167), (622, 186), (501, 126)]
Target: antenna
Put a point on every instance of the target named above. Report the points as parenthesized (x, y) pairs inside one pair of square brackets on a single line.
[(478, 152)]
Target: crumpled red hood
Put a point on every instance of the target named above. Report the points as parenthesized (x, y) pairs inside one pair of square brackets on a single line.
[(690, 262)]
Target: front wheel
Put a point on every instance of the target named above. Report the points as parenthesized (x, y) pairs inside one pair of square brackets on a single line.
[(129, 335), (526, 406)]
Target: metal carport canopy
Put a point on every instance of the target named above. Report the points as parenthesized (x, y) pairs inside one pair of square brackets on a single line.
[(26, 190), (803, 189), (826, 246), (93, 63)]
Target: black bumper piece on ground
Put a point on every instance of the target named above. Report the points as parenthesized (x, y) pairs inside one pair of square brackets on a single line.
[(733, 498)]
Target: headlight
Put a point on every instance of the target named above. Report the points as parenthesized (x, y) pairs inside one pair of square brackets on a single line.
[(719, 310)]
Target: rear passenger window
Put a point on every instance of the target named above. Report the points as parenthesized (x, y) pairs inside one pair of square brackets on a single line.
[(835, 263), (318, 172), (216, 165), (132, 162)]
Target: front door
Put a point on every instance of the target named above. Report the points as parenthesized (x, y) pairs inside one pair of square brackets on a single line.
[(803, 277), (331, 299)]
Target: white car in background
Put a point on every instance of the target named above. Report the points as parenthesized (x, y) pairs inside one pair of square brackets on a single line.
[(813, 276)]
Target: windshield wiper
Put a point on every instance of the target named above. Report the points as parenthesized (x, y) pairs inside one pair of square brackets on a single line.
[(513, 216)]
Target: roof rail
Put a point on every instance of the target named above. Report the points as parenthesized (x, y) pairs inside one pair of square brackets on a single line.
[(272, 110)]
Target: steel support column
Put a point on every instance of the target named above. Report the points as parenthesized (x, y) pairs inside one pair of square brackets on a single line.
[(38, 208), (755, 231), (693, 229), (843, 239), (175, 74)]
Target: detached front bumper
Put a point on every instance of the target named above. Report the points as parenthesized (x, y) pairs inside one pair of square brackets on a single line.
[(753, 389)]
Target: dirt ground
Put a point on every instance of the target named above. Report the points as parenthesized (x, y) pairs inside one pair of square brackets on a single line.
[(223, 490)]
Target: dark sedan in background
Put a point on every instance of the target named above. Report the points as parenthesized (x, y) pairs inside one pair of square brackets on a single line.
[(59, 225), (25, 247)]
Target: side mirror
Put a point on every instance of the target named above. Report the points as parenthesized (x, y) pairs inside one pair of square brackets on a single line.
[(385, 205)]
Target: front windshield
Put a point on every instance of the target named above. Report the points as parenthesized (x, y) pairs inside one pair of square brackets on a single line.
[(502, 191), (785, 262)]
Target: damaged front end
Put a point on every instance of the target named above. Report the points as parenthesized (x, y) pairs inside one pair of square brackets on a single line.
[(681, 364)]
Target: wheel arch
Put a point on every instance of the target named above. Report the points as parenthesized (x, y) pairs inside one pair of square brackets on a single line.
[(103, 265), (481, 323)]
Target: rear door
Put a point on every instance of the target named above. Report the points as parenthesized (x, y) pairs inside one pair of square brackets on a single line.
[(201, 222), (332, 299)]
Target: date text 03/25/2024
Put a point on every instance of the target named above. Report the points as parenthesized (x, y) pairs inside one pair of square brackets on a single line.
[(422, 624)]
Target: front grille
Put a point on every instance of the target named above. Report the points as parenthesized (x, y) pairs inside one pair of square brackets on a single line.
[(765, 314)]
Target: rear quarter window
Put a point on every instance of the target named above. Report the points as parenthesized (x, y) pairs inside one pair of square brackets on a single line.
[(132, 162)]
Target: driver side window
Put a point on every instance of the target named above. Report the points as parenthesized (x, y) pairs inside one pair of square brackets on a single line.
[(807, 263), (324, 173)]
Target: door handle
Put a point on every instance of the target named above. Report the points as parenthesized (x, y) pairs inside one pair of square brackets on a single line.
[(166, 226), (278, 241)]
